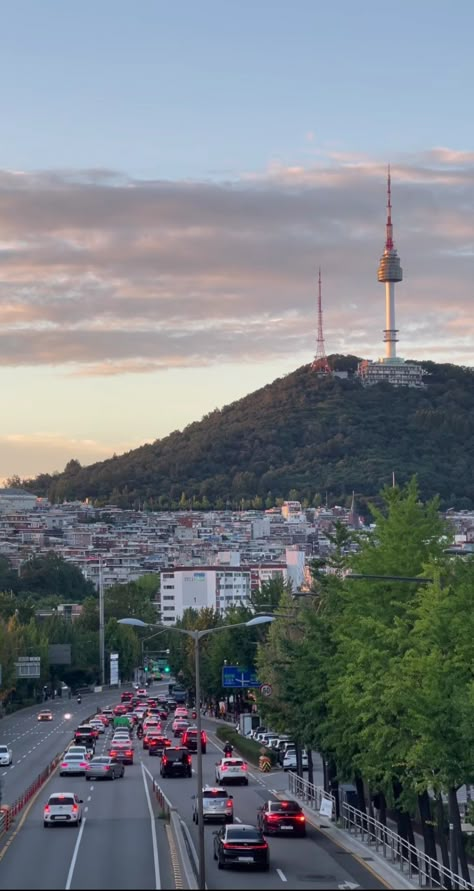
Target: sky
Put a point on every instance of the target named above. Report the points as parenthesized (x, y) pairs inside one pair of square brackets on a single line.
[(172, 176)]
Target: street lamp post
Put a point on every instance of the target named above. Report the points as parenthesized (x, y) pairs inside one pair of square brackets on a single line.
[(196, 636)]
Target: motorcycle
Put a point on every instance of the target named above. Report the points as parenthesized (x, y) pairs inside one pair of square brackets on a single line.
[(79, 700), (228, 751)]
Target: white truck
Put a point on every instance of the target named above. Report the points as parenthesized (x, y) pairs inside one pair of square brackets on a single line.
[(247, 723)]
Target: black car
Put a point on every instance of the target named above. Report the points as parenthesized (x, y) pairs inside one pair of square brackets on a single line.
[(158, 744), (176, 762), (239, 844), (284, 816), (84, 736)]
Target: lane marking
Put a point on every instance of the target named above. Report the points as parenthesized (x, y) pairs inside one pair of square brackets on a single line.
[(75, 853), (153, 829), (282, 875)]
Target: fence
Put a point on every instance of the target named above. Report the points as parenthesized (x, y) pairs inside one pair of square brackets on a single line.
[(163, 802), (8, 812), (411, 861), (310, 794)]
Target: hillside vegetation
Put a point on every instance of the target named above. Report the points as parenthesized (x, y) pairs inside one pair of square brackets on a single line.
[(303, 437)]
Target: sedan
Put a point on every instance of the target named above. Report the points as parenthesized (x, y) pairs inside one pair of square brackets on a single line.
[(6, 756), (289, 760), (157, 744), (45, 715), (239, 844), (122, 752), (104, 768), (72, 764), (284, 816)]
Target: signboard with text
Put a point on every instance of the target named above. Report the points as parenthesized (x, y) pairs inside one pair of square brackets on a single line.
[(114, 668), (235, 676), (28, 666)]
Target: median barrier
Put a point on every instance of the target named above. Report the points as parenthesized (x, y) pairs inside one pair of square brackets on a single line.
[(163, 802)]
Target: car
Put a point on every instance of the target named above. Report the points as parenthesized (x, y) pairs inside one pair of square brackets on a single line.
[(217, 804), (181, 712), (157, 744), (232, 770), (97, 725), (108, 712), (6, 756), (73, 763), (176, 761), (126, 696), (241, 844), (79, 750), (105, 720), (45, 715), (103, 767), (178, 726), (85, 736), (63, 807), (122, 751), (152, 723), (282, 747), (120, 709), (289, 760), (285, 816), (142, 693), (189, 738)]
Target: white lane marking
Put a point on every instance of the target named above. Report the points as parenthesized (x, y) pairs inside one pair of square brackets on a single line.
[(74, 855), (153, 829), (238, 820), (89, 798), (282, 875)]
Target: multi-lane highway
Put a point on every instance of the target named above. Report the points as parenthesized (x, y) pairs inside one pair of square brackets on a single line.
[(121, 844)]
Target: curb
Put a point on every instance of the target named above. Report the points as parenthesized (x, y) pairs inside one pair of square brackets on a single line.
[(186, 850)]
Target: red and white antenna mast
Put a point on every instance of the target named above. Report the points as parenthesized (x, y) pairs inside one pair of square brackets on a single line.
[(320, 363)]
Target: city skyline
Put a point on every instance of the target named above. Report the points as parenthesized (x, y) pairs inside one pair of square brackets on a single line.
[(160, 247)]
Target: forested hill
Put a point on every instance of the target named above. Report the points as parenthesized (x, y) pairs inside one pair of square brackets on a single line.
[(301, 437)]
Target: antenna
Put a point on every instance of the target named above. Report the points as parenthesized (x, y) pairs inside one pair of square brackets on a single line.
[(389, 239), (320, 363)]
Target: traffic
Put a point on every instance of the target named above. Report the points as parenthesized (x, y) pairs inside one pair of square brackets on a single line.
[(99, 813)]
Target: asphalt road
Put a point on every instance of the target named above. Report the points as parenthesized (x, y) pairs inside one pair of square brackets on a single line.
[(120, 844), (298, 863)]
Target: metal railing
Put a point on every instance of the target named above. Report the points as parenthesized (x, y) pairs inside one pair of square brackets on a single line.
[(163, 802), (310, 794), (8, 812), (413, 862)]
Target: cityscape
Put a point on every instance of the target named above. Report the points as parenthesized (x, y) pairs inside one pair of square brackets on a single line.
[(236, 487)]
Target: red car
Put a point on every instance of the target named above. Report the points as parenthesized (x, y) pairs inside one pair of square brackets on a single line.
[(190, 739), (126, 696), (120, 710)]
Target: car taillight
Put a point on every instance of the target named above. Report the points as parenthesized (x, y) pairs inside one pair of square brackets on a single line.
[(189, 759), (129, 752), (301, 818), (64, 764), (244, 766), (229, 803), (83, 764), (165, 760), (203, 736), (223, 766), (46, 808), (107, 766), (74, 808), (272, 817), (113, 754)]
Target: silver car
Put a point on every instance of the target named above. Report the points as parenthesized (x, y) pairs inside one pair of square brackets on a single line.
[(73, 764), (217, 804)]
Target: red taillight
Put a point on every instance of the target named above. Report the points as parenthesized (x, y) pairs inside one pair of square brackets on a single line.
[(301, 818), (189, 759), (64, 764), (223, 766), (272, 817), (74, 808), (83, 764), (244, 766), (46, 808), (229, 803), (203, 736), (113, 754), (165, 760), (129, 753), (107, 766)]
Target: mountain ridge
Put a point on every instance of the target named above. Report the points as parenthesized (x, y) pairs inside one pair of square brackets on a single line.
[(304, 436)]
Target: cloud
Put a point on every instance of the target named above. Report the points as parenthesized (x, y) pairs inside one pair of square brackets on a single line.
[(22, 454), (107, 275)]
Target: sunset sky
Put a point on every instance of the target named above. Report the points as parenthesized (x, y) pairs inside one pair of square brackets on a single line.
[(173, 175)]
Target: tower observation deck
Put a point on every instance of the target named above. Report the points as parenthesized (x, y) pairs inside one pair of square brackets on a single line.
[(390, 272)]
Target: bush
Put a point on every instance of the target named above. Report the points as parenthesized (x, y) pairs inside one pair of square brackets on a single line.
[(248, 748)]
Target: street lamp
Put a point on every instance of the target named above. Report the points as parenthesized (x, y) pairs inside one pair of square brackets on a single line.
[(196, 636)]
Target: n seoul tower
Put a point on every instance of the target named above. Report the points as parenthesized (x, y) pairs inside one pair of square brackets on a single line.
[(390, 272)]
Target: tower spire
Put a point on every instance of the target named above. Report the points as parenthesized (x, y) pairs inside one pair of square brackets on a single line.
[(320, 362), (389, 239)]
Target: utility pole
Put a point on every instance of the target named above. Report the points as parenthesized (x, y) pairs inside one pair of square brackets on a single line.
[(101, 625)]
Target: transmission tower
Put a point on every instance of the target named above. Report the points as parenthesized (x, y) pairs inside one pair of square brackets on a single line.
[(320, 363)]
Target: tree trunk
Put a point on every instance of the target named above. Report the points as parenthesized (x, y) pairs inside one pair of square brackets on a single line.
[(455, 835), (333, 785), (299, 762), (442, 832), (404, 827), (429, 840), (359, 784), (310, 766)]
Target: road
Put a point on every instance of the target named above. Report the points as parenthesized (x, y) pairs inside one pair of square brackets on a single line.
[(121, 843)]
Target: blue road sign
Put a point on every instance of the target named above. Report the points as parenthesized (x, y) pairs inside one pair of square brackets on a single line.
[(235, 676)]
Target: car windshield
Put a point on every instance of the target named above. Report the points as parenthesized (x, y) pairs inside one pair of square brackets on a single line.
[(237, 833), (174, 756)]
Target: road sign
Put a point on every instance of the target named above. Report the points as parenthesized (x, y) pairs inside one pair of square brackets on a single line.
[(266, 689), (235, 676), (28, 666)]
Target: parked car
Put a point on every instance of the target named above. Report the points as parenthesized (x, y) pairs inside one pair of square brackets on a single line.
[(217, 804), (241, 845), (285, 816), (232, 770), (289, 760), (63, 807), (6, 756)]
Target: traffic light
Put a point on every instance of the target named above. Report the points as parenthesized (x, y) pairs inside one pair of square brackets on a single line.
[(167, 669), (145, 668)]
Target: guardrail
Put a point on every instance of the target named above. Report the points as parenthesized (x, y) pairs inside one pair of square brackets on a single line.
[(310, 794), (410, 859), (163, 802), (10, 811)]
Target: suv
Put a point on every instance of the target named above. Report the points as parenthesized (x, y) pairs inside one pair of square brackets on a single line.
[(62, 807), (217, 804), (230, 770), (176, 761), (190, 739), (85, 736)]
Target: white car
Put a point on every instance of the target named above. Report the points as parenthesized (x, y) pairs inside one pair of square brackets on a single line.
[(232, 770), (73, 764), (97, 725), (6, 756), (289, 760), (83, 751), (63, 807)]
